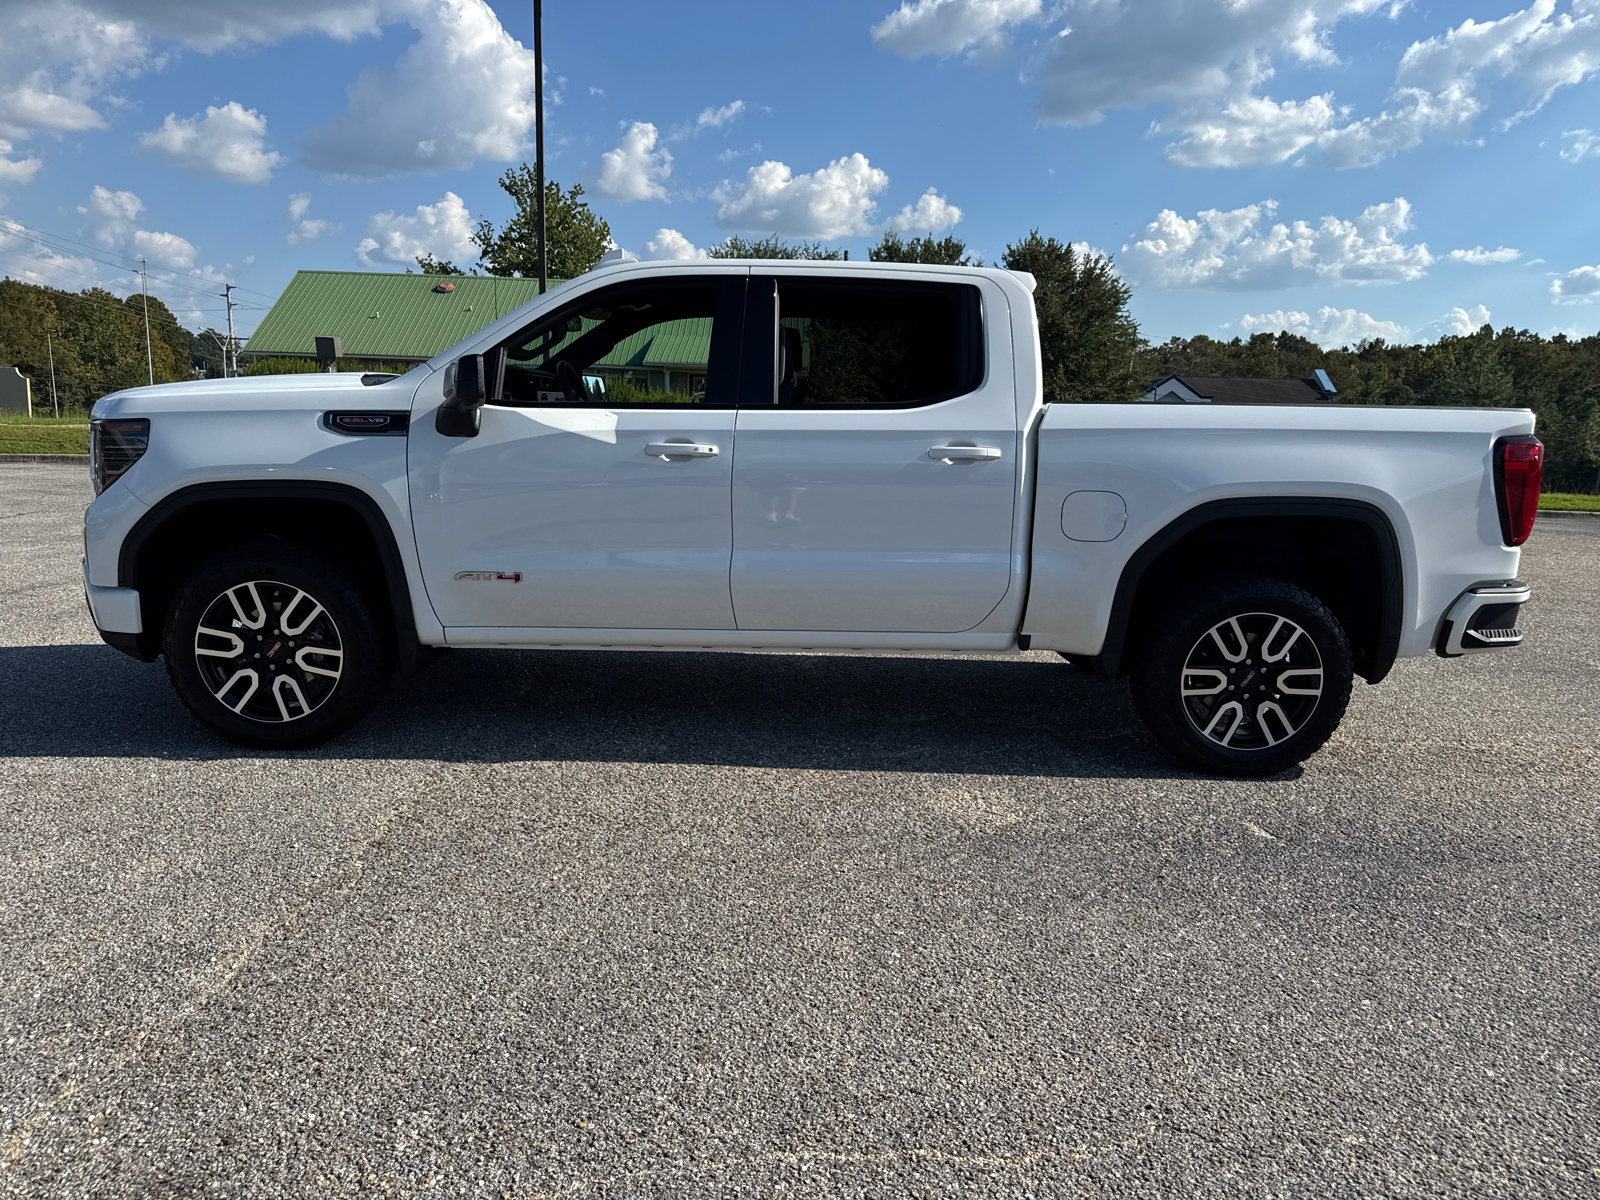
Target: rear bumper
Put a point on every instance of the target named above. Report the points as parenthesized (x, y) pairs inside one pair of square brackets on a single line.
[(1483, 618)]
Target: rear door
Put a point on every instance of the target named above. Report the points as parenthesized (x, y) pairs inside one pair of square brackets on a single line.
[(875, 479)]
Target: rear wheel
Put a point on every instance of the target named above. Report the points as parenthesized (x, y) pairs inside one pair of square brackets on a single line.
[(1248, 678), (274, 648)]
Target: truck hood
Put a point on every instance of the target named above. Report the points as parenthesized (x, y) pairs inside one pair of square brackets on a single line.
[(252, 393)]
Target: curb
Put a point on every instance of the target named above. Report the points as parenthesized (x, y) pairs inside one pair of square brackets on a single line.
[(1566, 512), (70, 460)]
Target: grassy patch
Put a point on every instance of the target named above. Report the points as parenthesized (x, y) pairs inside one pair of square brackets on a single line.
[(44, 435), (1569, 502)]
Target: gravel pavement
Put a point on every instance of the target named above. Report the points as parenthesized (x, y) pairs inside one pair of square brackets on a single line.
[(612, 925)]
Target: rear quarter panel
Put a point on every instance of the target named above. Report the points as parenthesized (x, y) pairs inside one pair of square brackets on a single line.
[(1427, 469)]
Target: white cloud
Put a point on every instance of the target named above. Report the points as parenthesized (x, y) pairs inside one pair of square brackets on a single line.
[(227, 143), (306, 229), (1479, 257), (1330, 326), (835, 201), (113, 216), (920, 27), (635, 170), (1459, 322), (1232, 250), (672, 245), (462, 92), (716, 118), (16, 170), (932, 214), (1581, 144), (730, 153), (443, 230), (1576, 286)]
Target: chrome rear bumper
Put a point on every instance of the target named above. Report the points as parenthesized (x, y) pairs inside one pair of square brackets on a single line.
[(1483, 618)]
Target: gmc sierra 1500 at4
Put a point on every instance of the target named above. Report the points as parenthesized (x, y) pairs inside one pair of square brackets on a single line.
[(760, 456)]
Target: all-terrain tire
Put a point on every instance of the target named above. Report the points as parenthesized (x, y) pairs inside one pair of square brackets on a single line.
[(1248, 678), (274, 646)]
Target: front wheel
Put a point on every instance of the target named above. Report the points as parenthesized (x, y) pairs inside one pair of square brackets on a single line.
[(274, 648), (1248, 678)]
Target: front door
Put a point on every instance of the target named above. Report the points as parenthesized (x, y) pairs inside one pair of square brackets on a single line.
[(597, 493), (874, 486)]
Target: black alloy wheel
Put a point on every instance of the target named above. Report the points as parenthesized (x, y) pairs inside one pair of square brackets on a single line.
[(1249, 678), (274, 647)]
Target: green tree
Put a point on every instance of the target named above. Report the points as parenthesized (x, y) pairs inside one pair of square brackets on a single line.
[(774, 247), (442, 266), (1087, 337), (575, 236), (948, 251)]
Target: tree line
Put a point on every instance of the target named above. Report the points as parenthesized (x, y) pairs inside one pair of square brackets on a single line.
[(1091, 346)]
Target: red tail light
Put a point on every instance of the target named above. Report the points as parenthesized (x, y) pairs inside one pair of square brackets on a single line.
[(1518, 479)]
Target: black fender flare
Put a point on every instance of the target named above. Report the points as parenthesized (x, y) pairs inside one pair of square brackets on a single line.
[(1391, 582), (411, 652)]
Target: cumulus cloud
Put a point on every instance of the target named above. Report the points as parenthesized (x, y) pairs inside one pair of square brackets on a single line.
[(1330, 326), (1577, 286), (669, 244), (1580, 144), (306, 229), (1459, 322), (443, 230), (1208, 63), (635, 170), (16, 170), (835, 201), (932, 214), (716, 118), (1479, 257), (1237, 250), (921, 27), (227, 143), (462, 92)]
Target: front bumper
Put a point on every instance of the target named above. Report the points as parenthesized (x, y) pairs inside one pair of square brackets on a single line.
[(114, 609), (1483, 618)]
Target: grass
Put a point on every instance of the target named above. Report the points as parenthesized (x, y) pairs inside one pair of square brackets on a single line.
[(44, 435), (1569, 502)]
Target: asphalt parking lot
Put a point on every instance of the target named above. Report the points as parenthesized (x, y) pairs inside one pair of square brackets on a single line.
[(587, 924)]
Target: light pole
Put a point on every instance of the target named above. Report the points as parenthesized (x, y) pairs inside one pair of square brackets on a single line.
[(50, 349), (144, 283), (538, 120)]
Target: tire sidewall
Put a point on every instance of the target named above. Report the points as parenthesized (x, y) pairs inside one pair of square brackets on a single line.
[(365, 663), (1158, 677)]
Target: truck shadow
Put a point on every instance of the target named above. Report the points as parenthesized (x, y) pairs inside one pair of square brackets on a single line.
[(1034, 716)]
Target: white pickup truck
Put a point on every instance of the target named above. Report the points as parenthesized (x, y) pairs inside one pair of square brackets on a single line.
[(766, 456)]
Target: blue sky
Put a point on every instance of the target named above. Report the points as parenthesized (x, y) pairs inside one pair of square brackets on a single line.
[(1341, 168)]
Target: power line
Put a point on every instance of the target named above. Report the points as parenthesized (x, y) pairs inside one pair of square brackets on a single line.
[(102, 250)]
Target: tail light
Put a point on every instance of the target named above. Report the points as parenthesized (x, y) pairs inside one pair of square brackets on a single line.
[(1518, 479), (114, 446)]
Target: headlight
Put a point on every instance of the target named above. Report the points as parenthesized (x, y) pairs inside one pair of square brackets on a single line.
[(114, 446)]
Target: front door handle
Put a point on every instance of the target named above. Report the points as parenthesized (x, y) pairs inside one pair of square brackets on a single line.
[(683, 449), (976, 453)]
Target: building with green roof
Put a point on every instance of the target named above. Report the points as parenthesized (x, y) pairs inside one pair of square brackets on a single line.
[(391, 319)]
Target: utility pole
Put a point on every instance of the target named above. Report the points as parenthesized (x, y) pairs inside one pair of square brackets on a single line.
[(233, 345), (50, 349), (538, 120), (144, 284)]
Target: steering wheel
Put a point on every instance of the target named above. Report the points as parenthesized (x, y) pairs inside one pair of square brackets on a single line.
[(572, 385)]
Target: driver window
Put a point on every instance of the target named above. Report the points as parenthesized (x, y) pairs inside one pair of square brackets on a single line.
[(645, 344)]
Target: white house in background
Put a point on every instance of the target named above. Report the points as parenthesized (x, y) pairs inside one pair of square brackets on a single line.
[(1233, 389), (16, 393)]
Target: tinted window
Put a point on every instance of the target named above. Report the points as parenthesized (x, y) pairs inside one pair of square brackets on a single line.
[(646, 344), (863, 343)]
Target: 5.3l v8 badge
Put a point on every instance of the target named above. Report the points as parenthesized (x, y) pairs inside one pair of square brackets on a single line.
[(491, 576)]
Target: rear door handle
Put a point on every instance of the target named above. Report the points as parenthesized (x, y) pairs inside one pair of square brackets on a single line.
[(979, 453), (683, 449)]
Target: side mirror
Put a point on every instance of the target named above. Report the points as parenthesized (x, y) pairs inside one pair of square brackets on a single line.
[(461, 413)]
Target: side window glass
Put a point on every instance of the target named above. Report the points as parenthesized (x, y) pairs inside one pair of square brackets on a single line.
[(646, 344), (851, 343)]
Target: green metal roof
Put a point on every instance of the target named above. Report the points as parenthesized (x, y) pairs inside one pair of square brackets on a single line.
[(685, 343), (380, 315)]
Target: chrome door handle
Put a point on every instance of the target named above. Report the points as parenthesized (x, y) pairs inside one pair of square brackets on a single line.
[(976, 453), (683, 449)]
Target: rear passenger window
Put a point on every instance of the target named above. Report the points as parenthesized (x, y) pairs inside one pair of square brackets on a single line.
[(859, 343)]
